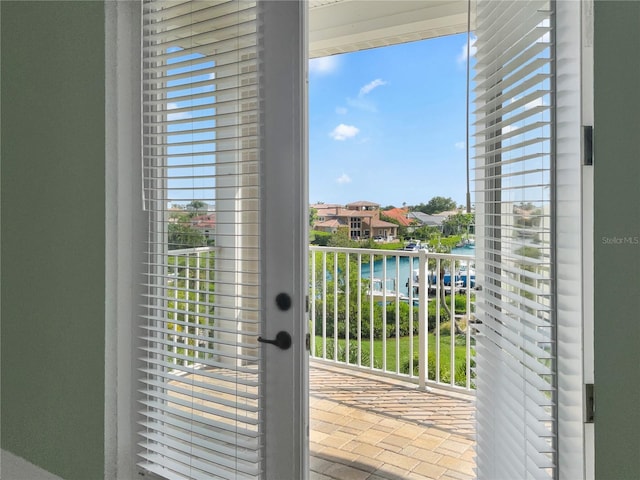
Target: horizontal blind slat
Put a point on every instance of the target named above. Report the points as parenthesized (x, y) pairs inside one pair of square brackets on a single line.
[(161, 409), (515, 343), (200, 372)]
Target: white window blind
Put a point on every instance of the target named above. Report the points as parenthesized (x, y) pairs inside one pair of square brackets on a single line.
[(199, 381), (514, 134)]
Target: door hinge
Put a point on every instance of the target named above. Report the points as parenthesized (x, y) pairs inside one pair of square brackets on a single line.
[(587, 145), (307, 342), (589, 403)]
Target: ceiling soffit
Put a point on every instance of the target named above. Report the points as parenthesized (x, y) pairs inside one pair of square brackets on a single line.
[(341, 26)]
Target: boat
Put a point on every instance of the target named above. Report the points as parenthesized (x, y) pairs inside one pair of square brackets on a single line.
[(388, 294), (416, 281), (466, 243), (461, 279), (466, 277), (415, 246)]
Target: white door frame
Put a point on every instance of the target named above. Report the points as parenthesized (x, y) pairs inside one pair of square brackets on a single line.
[(284, 235)]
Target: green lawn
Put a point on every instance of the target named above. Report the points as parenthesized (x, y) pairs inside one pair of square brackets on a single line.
[(404, 345), (390, 246)]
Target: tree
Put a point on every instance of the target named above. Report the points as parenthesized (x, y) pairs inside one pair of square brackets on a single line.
[(318, 237), (341, 239), (313, 216), (436, 205), (180, 217), (425, 232), (197, 206), (184, 236), (458, 223)]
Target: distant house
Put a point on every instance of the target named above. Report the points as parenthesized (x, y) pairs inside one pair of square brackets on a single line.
[(206, 224), (329, 226), (361, 218), (448, 213), (383, 230), (424, 219), (363, 206), (324, 210), (400, 215)]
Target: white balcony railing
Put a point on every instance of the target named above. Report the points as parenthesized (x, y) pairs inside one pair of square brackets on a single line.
[(386, 312), (189, 304), (393, 313)]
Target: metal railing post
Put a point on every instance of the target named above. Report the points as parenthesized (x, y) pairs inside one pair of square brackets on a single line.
[(423, 312)]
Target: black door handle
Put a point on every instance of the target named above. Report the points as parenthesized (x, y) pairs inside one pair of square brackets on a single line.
[(282, 340)]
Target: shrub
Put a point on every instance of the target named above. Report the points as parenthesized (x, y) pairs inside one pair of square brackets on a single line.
[(365, 358), (445, 369), (320, 238), (431, 315), (404, 319)]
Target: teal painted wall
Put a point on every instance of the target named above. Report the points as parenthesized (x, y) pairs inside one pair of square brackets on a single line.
[(52, 193), (617, 215)]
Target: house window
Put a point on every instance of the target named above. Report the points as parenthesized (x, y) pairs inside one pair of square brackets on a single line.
[(356, 225)]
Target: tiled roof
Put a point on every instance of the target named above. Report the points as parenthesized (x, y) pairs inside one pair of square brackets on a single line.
[(333, 223), (344, 213), (204, 225), (325, 206), (209, 216), (204, 221), (382, 223), (362, 203), (326, 210), (447, 213), (425, 219), (399, 214)]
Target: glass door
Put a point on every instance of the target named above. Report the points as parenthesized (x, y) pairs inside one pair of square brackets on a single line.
[(224, 364)]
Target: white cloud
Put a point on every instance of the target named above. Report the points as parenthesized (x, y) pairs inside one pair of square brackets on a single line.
[(323, 65), (508, 129), (460, 145), (362, 104), (177, 115), (370, 86), (342, 132), (344, 178), (465, 52), (341, 110)]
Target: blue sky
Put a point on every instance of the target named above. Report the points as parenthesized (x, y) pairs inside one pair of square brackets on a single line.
[(388, 124)]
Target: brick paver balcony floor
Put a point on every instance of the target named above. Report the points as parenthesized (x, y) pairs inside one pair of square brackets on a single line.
[(367, 427)]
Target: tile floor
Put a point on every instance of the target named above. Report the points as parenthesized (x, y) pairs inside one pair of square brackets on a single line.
[(367, 427)]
